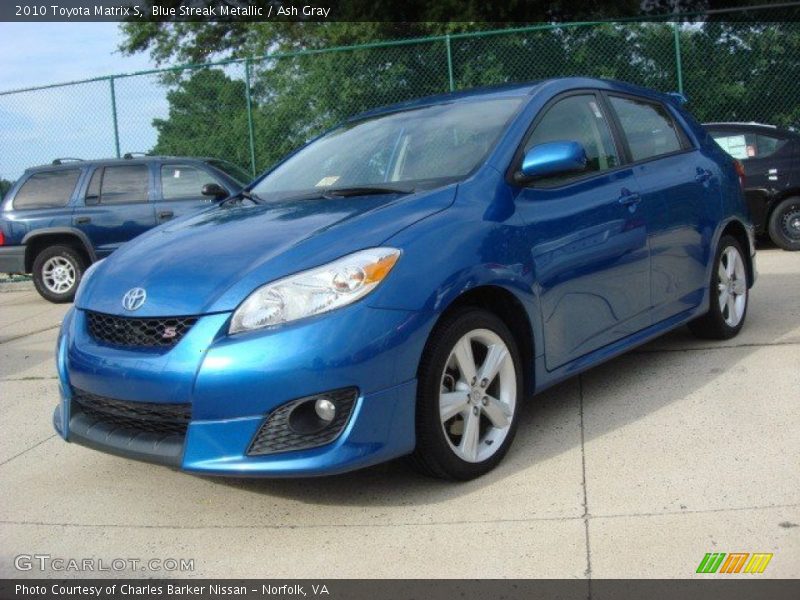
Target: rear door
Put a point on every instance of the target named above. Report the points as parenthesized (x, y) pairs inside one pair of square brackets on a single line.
[(181, 186), (117, 206), (587, 237), (681, 196)]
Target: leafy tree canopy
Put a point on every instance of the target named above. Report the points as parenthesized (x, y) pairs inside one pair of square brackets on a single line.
[(5, 185), (207, 117), (730, 71)]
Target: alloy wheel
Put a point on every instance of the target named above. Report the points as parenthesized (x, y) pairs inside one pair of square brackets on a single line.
[(58, 274), (478, 395), (732, 286)]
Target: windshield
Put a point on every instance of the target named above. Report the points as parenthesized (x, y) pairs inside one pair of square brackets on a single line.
[(411, 149), (236, 173)]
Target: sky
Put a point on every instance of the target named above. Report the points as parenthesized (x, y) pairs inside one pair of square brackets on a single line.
[(42, 53), (71, 121)]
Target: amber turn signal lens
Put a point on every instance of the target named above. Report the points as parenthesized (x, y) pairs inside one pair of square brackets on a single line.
[(377, 271)]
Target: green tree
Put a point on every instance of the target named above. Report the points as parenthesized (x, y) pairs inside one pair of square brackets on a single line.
[(5, 185), (358, 21), (207, 117), (731, 71)]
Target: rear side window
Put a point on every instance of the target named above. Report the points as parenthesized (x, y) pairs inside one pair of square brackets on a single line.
[(579, 119), (118, 185), (648, 127), (182, 181), (48, 189), (744, 146)]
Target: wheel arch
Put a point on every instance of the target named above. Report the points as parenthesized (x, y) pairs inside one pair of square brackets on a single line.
[(738, 231), (37, 240), (503, 303)]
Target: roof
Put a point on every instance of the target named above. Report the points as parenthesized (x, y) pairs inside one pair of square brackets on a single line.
[(557, 84), (494, 91), (67, 163), (752, 125)]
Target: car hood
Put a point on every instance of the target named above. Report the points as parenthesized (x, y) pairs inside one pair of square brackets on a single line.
[(211, 261)]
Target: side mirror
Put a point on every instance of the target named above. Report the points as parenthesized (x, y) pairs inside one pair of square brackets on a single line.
[(552, 158), (214, 190)]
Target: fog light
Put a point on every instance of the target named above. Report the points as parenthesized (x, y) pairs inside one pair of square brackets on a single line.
[(304, 423), (325, 409)]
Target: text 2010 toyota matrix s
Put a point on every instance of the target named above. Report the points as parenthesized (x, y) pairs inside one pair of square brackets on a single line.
[(403, 284)]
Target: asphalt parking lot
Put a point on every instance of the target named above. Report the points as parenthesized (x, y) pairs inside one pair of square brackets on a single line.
[(634, 469)]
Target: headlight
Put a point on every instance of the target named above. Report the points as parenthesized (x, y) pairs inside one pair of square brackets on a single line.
[(315, 291)]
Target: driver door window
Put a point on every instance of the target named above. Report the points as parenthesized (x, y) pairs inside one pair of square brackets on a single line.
[(182, 182), (579, 119)]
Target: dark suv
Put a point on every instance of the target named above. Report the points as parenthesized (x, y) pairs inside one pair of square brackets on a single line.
[(771, 159), (59, 218)]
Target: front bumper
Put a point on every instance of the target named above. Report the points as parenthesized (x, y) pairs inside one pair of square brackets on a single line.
[(234, 383), (12, 259)]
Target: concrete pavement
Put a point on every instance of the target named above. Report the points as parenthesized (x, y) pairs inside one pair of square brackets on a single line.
[(635, 469)]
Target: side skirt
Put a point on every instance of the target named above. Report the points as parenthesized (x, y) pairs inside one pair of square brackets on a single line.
[(546, 379)]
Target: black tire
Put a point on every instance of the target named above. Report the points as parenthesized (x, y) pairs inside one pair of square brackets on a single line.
[(784, 224), (71, 259), (433, 454), (713, 325)]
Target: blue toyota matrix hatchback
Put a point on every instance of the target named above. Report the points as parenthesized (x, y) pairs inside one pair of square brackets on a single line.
[(404, 283)]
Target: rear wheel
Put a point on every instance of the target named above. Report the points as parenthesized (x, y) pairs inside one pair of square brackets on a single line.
[(470, 381), (784, 224), (729, 294), (57, 271)]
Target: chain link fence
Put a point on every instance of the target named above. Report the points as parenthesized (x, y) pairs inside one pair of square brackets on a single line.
[(253, 111)]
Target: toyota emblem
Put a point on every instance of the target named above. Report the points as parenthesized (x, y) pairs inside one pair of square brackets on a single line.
[(134, 298)]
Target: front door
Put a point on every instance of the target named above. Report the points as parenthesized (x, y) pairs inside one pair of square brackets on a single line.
[(181, 190), (587, 236)]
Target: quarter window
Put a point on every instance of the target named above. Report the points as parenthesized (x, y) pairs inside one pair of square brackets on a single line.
[(118, 185), (47, 189), (180, 182), (648, 127), (578, 119)]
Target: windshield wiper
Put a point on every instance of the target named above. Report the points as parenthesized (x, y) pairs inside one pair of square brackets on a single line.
[(345, 192), (247, 195)]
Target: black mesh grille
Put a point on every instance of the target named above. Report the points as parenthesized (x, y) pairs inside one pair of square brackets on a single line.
[(277, 434), (154, 332), (139, 416)]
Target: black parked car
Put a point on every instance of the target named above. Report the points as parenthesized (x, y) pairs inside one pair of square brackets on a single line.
[(771, 159)]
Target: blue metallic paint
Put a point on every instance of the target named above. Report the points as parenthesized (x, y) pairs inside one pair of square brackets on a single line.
[(553, 158), (579, 261)]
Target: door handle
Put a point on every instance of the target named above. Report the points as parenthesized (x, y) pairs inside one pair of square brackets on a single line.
[(166, 214), (628, 198), (703, 175), (82, 220)]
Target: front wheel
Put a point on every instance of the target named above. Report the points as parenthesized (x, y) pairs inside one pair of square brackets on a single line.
[(470, 383), (729, 294), (784, 224)]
